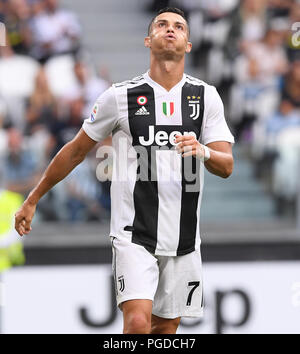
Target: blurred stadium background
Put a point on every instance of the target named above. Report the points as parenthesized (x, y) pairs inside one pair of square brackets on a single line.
[(59, 56)]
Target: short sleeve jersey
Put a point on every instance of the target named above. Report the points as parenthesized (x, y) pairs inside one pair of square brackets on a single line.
[(155, 192)]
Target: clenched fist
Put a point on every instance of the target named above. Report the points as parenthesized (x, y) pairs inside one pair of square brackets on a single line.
[(188, 145), (23, 218)]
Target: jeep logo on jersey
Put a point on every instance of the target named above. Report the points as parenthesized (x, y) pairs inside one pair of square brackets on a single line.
[(161, 137), (168, 108), (195, 104), (142, 100)]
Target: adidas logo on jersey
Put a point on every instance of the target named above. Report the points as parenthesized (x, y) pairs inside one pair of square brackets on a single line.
[(142, 112)]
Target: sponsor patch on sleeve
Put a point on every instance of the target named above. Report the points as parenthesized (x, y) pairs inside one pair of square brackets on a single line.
[(94, 112)]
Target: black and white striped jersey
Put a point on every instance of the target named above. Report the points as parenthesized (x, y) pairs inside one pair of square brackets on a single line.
[(155, 193)]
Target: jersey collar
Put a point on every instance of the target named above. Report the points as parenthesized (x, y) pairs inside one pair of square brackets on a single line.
[(155, 84)]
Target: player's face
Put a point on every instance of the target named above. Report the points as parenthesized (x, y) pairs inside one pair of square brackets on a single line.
[(169, 35)]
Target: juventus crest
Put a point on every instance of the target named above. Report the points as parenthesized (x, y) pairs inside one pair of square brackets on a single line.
[(122, 283), (194, 103)]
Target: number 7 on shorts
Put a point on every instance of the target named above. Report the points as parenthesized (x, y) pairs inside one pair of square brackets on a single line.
[(194, 285)]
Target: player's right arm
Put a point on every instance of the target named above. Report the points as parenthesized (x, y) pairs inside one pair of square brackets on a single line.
[(71, 155), (102, 121)]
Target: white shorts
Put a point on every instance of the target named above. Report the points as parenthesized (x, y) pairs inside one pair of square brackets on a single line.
[(174, 284)]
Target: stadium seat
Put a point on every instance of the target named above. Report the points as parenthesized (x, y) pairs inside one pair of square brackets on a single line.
[(61, 67), (286, 169), (17, 75)]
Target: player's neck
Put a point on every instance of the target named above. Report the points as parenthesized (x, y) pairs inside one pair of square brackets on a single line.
[(166, 73)]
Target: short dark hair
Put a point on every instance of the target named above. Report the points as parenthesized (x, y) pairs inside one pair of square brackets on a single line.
[(175, 10)]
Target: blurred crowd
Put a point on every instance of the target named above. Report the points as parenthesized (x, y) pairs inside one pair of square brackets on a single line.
[(47, 87), (250, 50)]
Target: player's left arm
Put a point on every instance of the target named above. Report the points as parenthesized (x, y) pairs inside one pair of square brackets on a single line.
[(220, 162), (216, 151)]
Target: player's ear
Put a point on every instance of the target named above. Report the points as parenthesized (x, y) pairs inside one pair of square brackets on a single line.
[(147, 42), (188, 47)]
